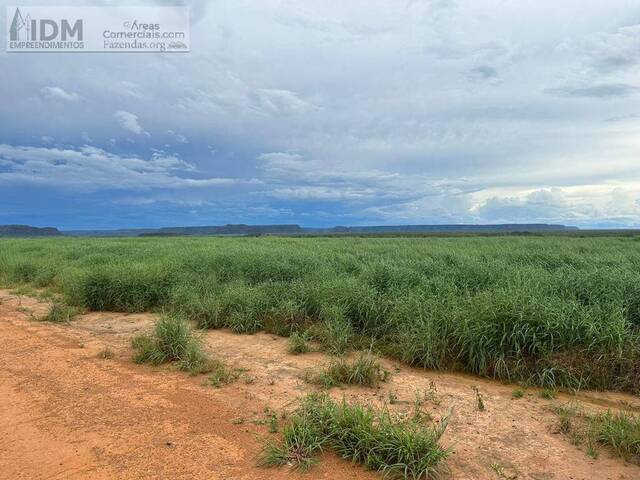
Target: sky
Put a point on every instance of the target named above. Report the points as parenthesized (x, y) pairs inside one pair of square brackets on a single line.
[(323, 113)]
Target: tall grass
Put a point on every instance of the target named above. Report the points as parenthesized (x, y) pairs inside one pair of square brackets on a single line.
[(550, 311)]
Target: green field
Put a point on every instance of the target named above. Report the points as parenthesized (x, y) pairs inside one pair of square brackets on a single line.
[(549, 311)]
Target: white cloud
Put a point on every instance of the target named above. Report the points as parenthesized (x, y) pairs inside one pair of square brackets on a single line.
[(178, 137), (280, 102), (281, 163), (129, 121), (165, 161), (291, 177), (418, 198), (58, 93), (577, 205), (93, 169), (606, 52)]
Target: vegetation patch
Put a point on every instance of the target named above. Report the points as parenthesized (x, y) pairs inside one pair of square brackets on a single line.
[(619, 432), (106, 354), (299, 343), (548, 394), (121, 287), (396, 446), (172, 340), (517, 393), (220, 374), (335, 333), (270, 419), (60, 313), (41, 294), (363, 370)]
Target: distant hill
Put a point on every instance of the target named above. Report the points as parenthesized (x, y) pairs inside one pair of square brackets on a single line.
[(28, 231), (297, 230), (502, 228), (229, 229)]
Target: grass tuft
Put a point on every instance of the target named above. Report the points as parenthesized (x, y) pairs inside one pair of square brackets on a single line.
[(517, 393), (172, 340), (566, 415), (220, 374), (60, 313), (397, 447), (364, 370), (105, 354), (299, 343), (619, 432), (548, 394), (302, 439)]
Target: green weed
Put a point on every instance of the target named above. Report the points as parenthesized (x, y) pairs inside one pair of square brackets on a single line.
[(394, 446), (363, 370), (220, 374), (517, 393), (547, 394), (619, 432), (299, 343), (172, 340), (60, 313)]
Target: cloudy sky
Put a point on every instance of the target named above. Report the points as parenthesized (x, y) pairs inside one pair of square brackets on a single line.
[(335, 113)]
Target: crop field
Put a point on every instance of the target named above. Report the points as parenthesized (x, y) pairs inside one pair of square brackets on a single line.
[(546, 311)]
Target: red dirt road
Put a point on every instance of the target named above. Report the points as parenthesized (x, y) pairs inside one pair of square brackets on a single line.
[(66, 414)]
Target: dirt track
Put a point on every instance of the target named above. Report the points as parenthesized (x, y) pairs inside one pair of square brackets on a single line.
[(65, 413)]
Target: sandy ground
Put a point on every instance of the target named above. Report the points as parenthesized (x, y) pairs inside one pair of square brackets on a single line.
[(65, 413)]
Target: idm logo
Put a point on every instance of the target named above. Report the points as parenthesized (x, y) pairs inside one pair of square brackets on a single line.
[(25, 28)]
